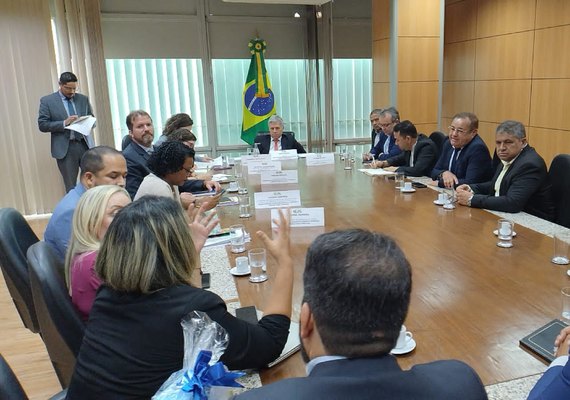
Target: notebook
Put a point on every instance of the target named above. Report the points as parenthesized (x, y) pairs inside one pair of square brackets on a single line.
[(291, 347), (541, 341)]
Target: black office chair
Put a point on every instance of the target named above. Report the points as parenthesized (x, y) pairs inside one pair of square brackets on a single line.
[(15, 238), (126, 141), (10, 388), (61, 327), (559, 175), (439, 139), (262, 133)]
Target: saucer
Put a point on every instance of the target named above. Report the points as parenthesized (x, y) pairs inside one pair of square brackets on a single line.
[(412, 190), (439, 203), (496, 233), (231, 190), (234, 272), (406, 349)]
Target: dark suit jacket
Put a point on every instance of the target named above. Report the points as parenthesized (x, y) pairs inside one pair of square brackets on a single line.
[(525, 187), (425, 157), (373, 137), (288, 142), (393, 149), (553, 385), (473, 165), (51, 115), (137, 158), (377, 378)]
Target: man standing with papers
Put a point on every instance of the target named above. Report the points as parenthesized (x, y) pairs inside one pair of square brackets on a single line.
[(57, 111)]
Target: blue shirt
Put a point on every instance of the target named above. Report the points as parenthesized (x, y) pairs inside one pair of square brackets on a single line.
[(58, 231)]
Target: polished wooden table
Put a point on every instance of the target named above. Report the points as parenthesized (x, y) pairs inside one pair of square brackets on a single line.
[(471, 300)]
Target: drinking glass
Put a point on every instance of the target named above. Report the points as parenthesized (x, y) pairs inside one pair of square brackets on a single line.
[(505, 233), (257, 265), (237, 240), (244, 206)]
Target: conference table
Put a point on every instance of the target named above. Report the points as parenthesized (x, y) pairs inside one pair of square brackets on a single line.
[(471, 300)]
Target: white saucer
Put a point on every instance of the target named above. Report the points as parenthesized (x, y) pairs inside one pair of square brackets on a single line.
[(404, 350), (439, 203), (412, 190), (496, 233), (232, 190), (233, 271)]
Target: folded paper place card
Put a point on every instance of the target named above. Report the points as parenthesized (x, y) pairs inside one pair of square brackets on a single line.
[(260, 157), (303, 217), (279, 199), (284, 155), (314, 159), (256, 167), (279, 177)]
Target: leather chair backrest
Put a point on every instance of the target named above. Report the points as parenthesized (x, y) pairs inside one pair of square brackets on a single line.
[(16, 237), (61, 327), (438, 138), (126, 141), (10, 388), (559, 175), (263, 133)]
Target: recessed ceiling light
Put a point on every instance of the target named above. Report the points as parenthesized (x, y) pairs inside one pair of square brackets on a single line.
[(297, 15)]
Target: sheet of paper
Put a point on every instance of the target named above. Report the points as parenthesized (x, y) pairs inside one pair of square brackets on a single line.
[(315, 159), (303, 217), (83, 125), (258, 166), (284, 155), (376, 172), (279, 199), (279, 177)]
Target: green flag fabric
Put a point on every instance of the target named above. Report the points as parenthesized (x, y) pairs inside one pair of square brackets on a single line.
[(258, 99)]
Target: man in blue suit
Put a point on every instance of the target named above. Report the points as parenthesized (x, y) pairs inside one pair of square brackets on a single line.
[(57, 111), (555, 383), (355, 301), (465, 157), (385, 146)]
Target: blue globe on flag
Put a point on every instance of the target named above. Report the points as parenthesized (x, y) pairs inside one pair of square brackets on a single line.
[(258, 106)]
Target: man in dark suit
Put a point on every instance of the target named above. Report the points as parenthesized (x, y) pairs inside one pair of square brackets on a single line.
[(57, 111), (465, 157), (419, 153), (277, 140), (520, 182), (354, 304), (384, 143)]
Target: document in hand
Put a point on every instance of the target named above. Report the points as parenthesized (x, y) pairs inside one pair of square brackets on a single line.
[(83, 124)]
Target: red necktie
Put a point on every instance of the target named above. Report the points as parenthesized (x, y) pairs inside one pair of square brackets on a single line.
[(275, 144)]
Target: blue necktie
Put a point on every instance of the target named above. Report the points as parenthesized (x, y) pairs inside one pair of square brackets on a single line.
[(70, 112)]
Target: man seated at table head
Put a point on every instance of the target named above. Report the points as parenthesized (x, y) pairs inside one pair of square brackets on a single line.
[(99, 165), (520, 182), (464, 157), (386, 147), (137, 153), (354, 304), (419, 153), (277, 140)]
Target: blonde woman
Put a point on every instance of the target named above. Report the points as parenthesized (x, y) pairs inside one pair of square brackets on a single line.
[(134, 340), (93, 215)]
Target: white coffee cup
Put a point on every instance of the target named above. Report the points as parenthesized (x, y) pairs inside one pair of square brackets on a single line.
[(408, 186), (233, 186), (242, 265), (442, 198), (404, 338)]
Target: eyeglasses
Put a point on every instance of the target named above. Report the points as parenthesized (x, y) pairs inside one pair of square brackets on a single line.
[(189, 171), (454, 129)]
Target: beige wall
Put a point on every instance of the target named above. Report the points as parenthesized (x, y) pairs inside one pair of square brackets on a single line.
[(510, 59)]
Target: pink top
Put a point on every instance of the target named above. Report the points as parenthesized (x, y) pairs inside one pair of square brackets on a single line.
[(84, 282)]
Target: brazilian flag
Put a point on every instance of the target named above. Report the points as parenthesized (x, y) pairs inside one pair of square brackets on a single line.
[(258, 99)]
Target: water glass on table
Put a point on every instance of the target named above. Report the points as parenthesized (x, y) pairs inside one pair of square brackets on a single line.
[(505, 233), (566, 303), (399, 179), (244, 206), (257, 265), (561, 248), (237, 240)]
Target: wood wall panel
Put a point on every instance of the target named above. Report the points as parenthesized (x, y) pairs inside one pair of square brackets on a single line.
[(549, 143), (504, 57), (487, 133), (418, 18), (426, 129), (459, 22), (459, 61), (417, 101), (381, 61), (380, 95), (416, 59), (552, 61), (504, 16), (380, 19), (550, 103), (457, 97), (497, 101), (552, 13)]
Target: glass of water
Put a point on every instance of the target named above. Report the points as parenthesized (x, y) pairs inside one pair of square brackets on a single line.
[(237, 240), (257, 265), (244, 206)]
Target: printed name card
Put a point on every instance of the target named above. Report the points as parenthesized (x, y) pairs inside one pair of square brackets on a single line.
[(261, 157), (280, 199), (302, 217), (279, 177), (315, 159), (284, 154), (257, 167)]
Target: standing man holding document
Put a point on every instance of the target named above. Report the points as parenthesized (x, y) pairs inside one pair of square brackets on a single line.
[(57, 111)]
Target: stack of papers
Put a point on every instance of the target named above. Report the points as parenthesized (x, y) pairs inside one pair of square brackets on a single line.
[(376, 172)]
